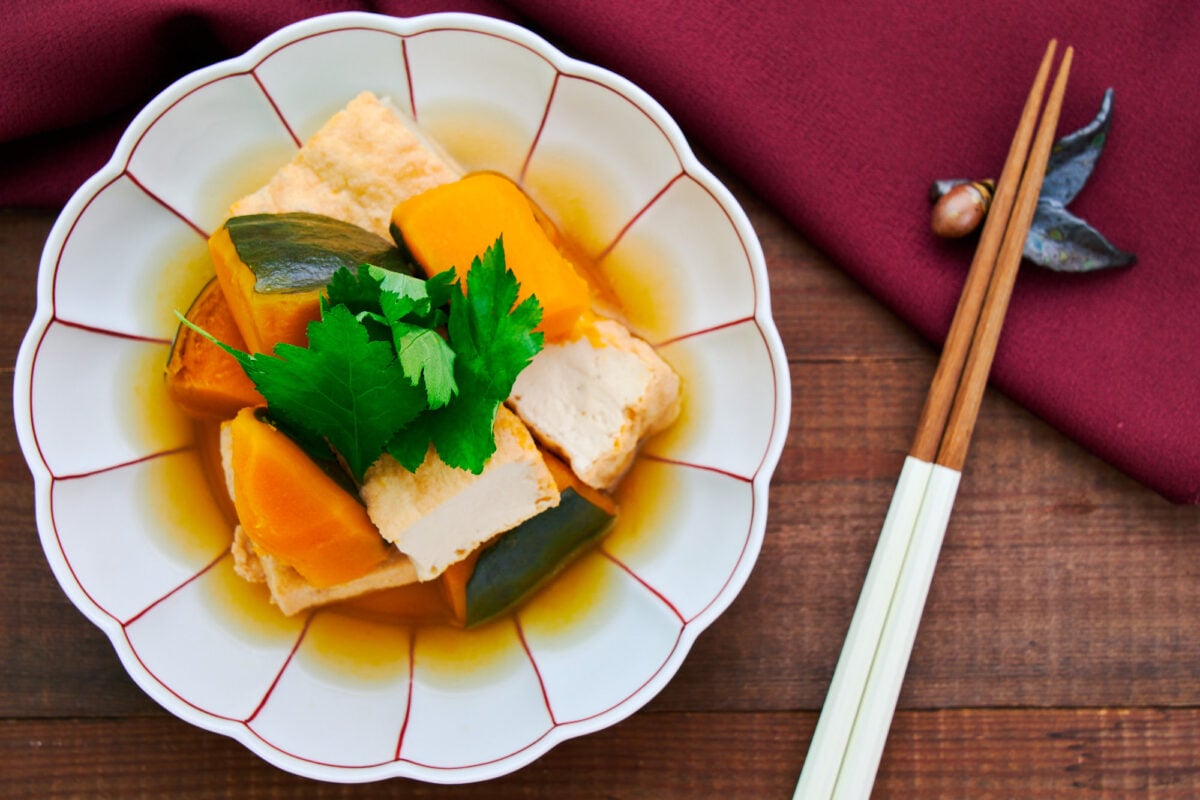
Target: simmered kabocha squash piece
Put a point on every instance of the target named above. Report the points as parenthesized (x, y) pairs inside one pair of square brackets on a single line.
[(451, 224), (292, 509), (522, 560), (202, 379), (453, 583), (420, 603), (272, 268)]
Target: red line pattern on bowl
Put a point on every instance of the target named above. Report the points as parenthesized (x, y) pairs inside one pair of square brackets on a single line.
[(125, 623), (603, 711)]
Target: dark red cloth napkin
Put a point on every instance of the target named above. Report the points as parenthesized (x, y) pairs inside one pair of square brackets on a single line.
[(840, 115)]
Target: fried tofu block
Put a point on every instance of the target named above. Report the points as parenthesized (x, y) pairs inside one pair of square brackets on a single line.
[(438, 514), (594, 399), (362, 162), (293, 594)]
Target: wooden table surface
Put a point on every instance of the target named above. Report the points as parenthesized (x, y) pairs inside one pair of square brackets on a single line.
[(1059, 654)]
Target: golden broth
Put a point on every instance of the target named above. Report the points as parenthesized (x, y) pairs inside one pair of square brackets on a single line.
[(492, 140), (141, 368), (372, 651), (185, 269)]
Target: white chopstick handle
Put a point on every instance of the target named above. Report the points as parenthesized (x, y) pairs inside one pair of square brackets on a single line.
[(870, 731), (830, 738)]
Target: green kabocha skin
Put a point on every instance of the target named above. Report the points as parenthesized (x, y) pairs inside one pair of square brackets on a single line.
[(520, 561), (299, 251)]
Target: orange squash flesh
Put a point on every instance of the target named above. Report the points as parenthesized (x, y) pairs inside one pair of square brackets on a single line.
[(202, 379), (421, 603), (449, 225), (264, 319), (454, 586), (564, 478), (294, 511)]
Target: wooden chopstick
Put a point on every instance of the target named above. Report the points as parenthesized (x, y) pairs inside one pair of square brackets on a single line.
[(932, 423), (851, 732), (965, 410)]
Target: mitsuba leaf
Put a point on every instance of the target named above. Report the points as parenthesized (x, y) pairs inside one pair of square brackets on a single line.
[(358, 290), (463, 433), (494, 340), (344, 386), (378, 375), (426, 357), (351, 389), (441, 287), (411, 443), (404, 294)]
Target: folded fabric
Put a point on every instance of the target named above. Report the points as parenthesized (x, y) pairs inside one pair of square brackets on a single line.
[(840, 115)]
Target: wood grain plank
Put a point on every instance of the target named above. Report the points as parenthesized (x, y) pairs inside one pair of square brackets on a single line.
[(955, 753), (22, 234)]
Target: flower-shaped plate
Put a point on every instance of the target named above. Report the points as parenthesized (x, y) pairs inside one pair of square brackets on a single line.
[(139, 545)]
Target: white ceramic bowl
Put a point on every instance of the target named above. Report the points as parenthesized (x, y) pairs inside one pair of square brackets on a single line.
[(144, 553)]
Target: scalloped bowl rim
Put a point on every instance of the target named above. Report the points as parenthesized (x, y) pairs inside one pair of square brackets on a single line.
[(245, 63)]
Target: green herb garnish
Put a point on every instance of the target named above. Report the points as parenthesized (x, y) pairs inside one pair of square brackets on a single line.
[(378, 375)]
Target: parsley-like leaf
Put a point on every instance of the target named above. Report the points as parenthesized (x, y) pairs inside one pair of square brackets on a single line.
[(349, 389), (494, 341), (426, 356), (378, 375), (411, 444), (358, 291), (462, 431), (441, 287)]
